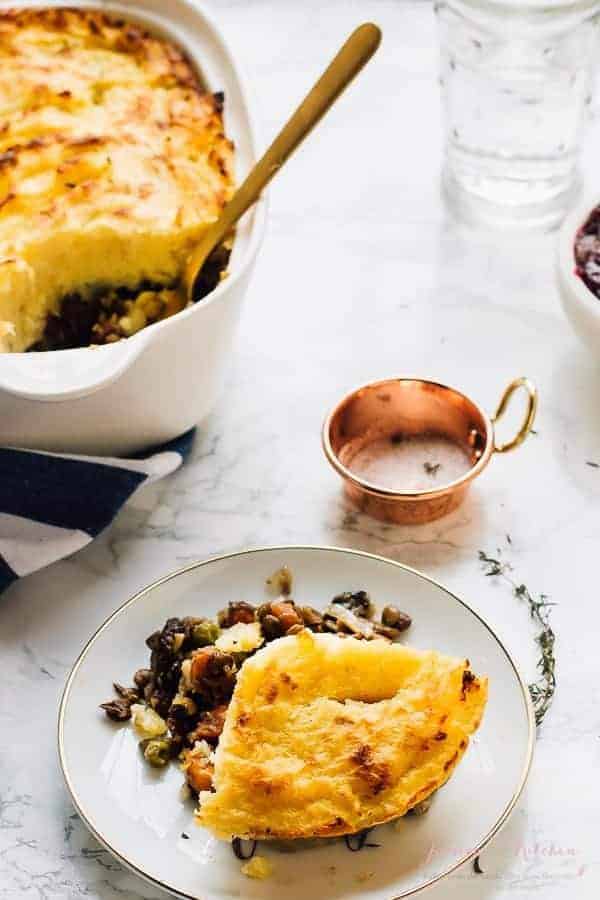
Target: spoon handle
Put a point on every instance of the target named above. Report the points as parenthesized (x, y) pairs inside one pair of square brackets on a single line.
[(358, 49)]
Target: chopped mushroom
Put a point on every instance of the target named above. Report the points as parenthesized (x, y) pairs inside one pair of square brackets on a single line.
[(354, 624)]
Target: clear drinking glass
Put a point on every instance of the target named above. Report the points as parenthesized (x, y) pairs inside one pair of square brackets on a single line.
[(516, 78)]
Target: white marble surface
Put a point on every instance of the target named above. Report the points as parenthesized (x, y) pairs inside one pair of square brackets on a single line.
[(361, 276)]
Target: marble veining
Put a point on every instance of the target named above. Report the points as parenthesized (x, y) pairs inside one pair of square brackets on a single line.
[(361, 276)]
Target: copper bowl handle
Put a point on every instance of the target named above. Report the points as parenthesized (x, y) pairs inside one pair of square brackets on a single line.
[(525, 428)]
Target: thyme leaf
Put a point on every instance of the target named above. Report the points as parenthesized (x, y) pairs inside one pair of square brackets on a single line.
[(432, 468), (541, 690), (592, 464)]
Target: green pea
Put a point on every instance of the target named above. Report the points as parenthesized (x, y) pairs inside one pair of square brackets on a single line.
[(157, 751), (205, 633)]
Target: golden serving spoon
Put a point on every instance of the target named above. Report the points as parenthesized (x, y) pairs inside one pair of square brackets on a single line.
[(358, 49)]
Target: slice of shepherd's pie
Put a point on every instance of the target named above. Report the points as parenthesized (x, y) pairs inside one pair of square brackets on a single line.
[(326, 737), (113, 161)]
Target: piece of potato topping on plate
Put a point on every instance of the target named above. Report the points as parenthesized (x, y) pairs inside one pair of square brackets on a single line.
[(326, 737)]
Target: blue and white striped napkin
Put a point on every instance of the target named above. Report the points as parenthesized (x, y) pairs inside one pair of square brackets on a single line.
[(52, 505)]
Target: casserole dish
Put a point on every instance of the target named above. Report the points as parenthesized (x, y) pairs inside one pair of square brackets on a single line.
[(129, 395)]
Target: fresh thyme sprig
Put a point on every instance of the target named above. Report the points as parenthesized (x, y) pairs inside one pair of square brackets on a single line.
[(542, 690)]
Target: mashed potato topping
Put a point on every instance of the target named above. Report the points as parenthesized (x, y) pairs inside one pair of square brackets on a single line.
[(113, 161), (326, 736)]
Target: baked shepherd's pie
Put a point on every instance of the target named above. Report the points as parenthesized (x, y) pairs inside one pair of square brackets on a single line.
[(113, 160), (293, 723)]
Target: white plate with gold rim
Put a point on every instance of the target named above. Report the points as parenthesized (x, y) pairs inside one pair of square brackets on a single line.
[(139, 814)]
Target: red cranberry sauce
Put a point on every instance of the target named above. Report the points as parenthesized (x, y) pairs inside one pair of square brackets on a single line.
[(587, 252)]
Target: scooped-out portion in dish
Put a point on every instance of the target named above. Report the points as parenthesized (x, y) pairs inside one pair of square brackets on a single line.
[(326, 737), (113, 162)]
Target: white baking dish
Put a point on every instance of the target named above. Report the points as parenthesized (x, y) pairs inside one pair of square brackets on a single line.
[(130, 395)]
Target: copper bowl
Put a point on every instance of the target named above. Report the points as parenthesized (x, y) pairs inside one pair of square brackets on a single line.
[(409, 408)]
